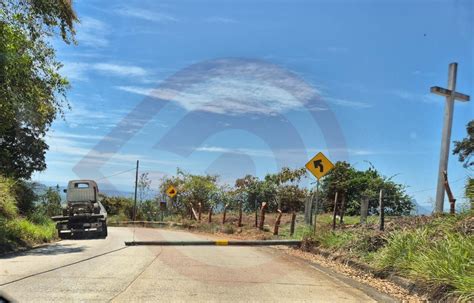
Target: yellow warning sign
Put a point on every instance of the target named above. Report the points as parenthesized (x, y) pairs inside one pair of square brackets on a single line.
[(319, 165), (171, 191)]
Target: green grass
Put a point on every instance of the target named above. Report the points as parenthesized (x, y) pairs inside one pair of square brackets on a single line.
[(20, 232), (8, 208), (437, 252)]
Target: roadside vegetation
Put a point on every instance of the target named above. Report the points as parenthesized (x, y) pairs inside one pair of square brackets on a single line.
[(25, 215), (32, 96)]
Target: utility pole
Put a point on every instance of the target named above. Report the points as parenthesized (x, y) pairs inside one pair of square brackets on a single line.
[(135, 200), (451, 95)]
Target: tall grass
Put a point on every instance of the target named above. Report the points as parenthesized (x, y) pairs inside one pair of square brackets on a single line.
[(436, 254), (449, 261), (402, 249)]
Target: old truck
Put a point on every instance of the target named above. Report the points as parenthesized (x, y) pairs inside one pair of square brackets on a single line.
[(84, 215)]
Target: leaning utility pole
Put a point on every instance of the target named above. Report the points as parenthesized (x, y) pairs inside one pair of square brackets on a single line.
[(451, 95), (135, 200)]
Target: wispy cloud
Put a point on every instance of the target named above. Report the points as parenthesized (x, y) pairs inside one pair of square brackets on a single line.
[(148, 15), (92, 32), (289, 153), (216, 19), (347, 103), (417, 97), (79, 71), (120, 70)]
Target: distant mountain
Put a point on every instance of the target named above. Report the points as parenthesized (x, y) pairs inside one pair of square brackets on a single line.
[(421, 209)]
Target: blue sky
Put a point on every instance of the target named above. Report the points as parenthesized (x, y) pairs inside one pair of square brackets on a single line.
[(236, 87)]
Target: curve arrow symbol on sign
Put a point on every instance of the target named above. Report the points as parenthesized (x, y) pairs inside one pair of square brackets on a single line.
[(317, 164)]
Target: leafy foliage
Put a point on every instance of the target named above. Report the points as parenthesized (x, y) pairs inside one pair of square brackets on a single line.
[(356, 185), (465, 148), (50, 202), (32, 92)]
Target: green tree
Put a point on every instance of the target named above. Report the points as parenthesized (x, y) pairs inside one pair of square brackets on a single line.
[(465, 148), (356, 185), (117, 206), (32, 92), (143, 186), (50, 202), (192, 190)]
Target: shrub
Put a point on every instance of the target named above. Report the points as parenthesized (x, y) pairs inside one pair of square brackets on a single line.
[(8, 207), (228, 229)]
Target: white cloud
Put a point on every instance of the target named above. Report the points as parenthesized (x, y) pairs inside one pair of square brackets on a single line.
[(119, 70), (227, 96), (238, 88), (79, 71), (92, 32), (75, 71), (144, 14)]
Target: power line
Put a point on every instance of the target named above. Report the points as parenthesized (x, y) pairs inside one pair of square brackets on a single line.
[(116, 174)]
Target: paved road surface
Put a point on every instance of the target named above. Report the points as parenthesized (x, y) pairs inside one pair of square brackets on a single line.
[(104, 270)]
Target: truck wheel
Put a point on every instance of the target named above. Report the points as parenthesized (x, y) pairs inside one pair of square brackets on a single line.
[(104, 230)]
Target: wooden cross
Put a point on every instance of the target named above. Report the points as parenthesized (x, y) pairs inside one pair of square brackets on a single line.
[(451, 95)]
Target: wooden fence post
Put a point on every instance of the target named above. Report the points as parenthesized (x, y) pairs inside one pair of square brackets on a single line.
[(199, 211), (382, 211), (343, 206), (364, 208), (239, 224), (262, 215), (277, 222), (210, 214), (225, 213), (293, 220), (335, 212)]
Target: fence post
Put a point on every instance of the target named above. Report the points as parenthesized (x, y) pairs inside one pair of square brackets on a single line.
[(343, 206), (199, 211), (256, 213), (293, 221), (262, 215), (364, 209), (210, 214), (335, 212), (382, 213), (277, 223), (225, 213), (239, 224)]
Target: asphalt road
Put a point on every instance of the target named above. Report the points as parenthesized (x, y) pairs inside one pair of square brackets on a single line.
[(106, 270)]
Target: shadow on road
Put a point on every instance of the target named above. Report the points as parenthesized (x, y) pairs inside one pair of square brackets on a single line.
[(53, 249)]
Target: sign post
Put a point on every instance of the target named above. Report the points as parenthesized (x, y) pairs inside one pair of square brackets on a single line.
[(319, 166)]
